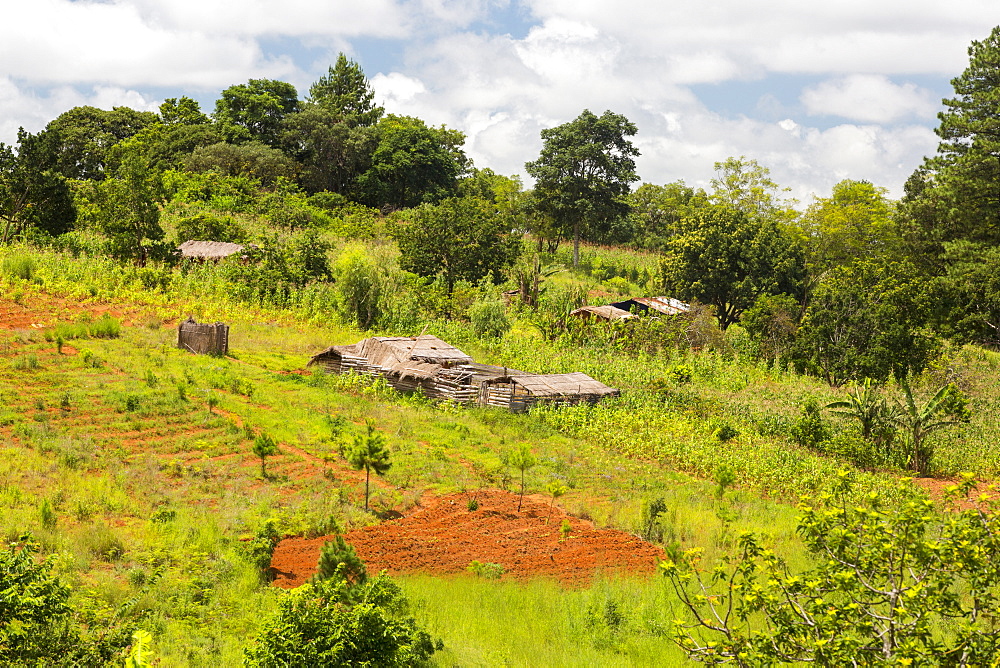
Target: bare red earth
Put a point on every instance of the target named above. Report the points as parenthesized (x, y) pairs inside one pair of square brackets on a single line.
[(444, 537)]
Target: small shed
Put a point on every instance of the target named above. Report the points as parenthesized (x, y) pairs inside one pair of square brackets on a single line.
[(608, 313), (203, 338), (663, 305), (210, 250), (519, 393)]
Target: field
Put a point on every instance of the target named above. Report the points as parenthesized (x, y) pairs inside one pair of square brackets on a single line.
[(130, 461)]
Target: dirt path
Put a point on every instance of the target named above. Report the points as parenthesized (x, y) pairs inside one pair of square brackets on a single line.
[(444, 537)]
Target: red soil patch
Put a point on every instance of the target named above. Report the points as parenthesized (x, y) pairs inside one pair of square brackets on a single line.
[(445, 537)]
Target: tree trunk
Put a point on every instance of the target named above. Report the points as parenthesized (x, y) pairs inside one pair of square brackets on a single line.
[(521, 498), (263, 472), (576, 244)]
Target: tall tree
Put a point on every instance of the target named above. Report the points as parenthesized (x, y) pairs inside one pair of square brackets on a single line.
[(87, 134), (722, 257), (746, 186), (854, 222), (32, 195), (333, 152), (462, 238), (125, 208), (182, 111), (254, 110), (968, 157), (584, 172), (658, 210), (412, 164), (345, 91)]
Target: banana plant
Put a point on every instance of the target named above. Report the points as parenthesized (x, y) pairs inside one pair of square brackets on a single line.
[(948, 407), (867, 405)]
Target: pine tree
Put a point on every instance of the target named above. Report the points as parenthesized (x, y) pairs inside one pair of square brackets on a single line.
[(345, 91)]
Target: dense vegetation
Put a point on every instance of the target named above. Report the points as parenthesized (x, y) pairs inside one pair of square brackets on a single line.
[(854, 334)]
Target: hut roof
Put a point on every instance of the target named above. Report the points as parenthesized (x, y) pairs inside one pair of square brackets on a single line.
[(561, 384), (607, 312), (209, 250), (417, 357), (664, 305)]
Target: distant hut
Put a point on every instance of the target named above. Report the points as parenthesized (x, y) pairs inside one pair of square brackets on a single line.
[(662, 305), (518, 393), (608, 313), (212, 251)]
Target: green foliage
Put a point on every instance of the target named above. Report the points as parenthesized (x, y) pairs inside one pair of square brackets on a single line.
[(345, 91), (948, 407), (458, 239), (361, 284), (411, 164), (651, 519), (810, 430), (86, 136), (34, 199), (488, 571), (317, 625), (489, 318), (338, 560), (368, 451), (772, 323), (522, 459), (260, 549), (255, 160), (722, 257), (19, 266), (264, 447), (253, 111), (583, 175), (865, 320), (658, 210), (889, 584)]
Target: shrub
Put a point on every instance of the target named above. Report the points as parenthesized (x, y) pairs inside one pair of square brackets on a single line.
[(319, 624), (19, 266), (489, 319), (487, 570), (810, 430)]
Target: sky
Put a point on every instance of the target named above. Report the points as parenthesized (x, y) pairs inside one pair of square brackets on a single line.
[(815, 91)]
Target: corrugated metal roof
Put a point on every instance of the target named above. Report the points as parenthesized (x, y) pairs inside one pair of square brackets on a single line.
[(664, 305)]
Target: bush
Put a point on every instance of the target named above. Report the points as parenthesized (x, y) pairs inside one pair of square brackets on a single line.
[(19, 266), (487, 570), (317, 625), (489, 319)]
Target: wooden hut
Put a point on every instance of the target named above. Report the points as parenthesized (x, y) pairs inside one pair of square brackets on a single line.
[(407, 363), (662, 305), (519, 393)]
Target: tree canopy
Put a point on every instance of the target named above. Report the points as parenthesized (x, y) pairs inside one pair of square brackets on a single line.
[(254, 110), (345, 91), (584, 173)]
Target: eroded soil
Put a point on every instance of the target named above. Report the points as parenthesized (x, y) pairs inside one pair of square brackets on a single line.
[(443, 537)]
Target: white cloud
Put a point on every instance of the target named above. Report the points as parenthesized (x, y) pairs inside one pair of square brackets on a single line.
[(395, 89), (869, 98)]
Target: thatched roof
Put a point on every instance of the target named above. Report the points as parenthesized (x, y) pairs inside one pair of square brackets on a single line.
[(609, 313), (209, 250), (560, 385), (419, 357)]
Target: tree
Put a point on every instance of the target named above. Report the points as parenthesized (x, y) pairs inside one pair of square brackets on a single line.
[(855, 222), (332, 151), (253, 111), (338, 560), (723, 258), (182, 111), (328, 623), (345, 92), (865, 320), (967, 165), (459, 239), (746, 186), (522, 459), (369, 452), (411, 164), (126, 209), (893, 584), (253, 159), (584, 173), (658, 211), (85, 135), (264, 447), (32, 195), (946, 408)]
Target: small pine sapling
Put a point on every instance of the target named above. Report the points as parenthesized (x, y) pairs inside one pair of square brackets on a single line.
[(556, 488), (522, 459), (264, 447), (368, 452), (338, 560)]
